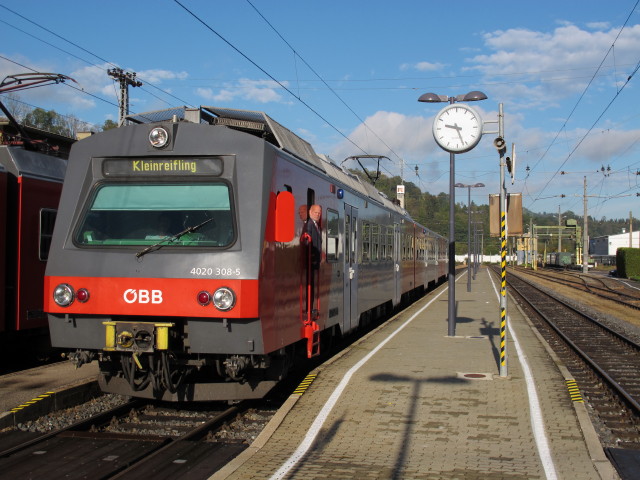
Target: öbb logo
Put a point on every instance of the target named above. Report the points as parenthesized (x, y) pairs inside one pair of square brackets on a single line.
[(142, 296)]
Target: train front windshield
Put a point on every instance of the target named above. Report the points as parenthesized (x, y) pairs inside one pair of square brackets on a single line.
[(130, 214)]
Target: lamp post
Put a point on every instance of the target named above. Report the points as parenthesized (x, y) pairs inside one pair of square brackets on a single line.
[(478, 244), (469, 187), (435, 98)]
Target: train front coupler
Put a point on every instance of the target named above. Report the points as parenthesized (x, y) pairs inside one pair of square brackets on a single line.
[(80, 357)]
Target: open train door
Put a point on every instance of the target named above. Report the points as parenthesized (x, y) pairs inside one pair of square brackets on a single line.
[(350, 268)]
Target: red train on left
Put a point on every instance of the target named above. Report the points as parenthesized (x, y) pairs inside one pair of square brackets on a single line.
[(32, 168)]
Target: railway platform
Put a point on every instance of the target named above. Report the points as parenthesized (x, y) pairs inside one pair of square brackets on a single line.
[(28, 394), (410, 402)]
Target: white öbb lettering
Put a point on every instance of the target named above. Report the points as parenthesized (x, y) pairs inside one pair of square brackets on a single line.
[(142, 296)]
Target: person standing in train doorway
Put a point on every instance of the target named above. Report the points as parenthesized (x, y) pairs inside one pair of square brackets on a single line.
[(313, 229)]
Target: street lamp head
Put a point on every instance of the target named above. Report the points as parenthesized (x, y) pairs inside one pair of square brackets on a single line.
[(471, 97), (461, 185), (477, 185), (433, 98)]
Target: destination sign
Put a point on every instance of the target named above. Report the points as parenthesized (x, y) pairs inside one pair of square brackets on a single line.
[(188, 166)]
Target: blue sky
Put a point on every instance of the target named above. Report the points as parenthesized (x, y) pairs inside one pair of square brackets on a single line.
[(346, 76)]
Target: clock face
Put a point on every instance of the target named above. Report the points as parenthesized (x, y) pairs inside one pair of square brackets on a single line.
[(457, 128)]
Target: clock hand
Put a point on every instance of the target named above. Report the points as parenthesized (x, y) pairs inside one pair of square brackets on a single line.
[(457, 129)]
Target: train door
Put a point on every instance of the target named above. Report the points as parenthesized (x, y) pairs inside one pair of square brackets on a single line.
[(397, 257), (350, 268)]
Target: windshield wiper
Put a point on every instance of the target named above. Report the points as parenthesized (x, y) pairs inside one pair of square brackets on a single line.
[(171, 238)]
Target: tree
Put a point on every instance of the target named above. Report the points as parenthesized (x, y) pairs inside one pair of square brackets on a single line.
[(17, 108), (47, 120), (108, 125)]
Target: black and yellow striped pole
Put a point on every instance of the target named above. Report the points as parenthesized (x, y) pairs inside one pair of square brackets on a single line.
[(500, 144), (503, 290)]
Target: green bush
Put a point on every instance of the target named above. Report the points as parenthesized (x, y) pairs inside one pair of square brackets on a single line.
[(628, 262)]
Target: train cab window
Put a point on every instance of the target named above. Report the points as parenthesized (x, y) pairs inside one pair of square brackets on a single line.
[(143, 214), (332, 233), (47, 220)]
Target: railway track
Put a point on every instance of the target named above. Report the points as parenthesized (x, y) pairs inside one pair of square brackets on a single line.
[(139, 440), (602, 287), (604, 363)]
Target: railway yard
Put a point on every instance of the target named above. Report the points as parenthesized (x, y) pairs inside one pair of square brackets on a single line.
[(403, 401)]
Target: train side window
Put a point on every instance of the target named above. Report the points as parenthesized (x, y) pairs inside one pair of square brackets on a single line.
[(383, 243), (332, 235), (413, 248), (389, 243), (366, 242), (47, 221), (375, 242)]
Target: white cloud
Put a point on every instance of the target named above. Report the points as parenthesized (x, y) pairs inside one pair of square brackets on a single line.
[(547, 66), (422, 66), (261, 91), (157, 76), (598, 25), (398, 131), (605, 146)]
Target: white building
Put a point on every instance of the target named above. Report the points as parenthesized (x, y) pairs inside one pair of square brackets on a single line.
[(608, 245)]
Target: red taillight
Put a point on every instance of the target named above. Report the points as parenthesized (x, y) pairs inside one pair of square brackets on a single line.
[(204, 298), (82, 295)]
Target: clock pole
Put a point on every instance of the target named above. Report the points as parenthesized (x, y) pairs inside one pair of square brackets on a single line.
[(435, 98), (451, 330)]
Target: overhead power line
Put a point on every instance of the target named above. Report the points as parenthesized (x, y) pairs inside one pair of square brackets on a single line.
[(324, 82), (578, 102), (169, 94), (314, 111)]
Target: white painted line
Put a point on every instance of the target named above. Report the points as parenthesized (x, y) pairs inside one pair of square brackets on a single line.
[(628, 284), (317, 424), (537, 422)]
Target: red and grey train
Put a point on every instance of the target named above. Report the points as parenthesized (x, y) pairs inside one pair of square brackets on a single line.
[(180, 259), (32, 168)]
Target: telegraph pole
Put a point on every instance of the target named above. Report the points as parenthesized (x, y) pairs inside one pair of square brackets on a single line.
[(559, 230), (125, 79)]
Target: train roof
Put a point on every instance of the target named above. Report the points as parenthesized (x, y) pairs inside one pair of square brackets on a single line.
[(254, 122), (28, 163)]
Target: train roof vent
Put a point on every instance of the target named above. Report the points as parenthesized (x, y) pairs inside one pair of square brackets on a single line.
[(261, 122), (195, 115), (257, 123)]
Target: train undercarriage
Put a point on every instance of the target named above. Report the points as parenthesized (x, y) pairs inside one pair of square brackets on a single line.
[(164, 375)]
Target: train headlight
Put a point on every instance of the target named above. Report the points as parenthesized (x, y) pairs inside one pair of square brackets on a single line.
[(224, 299), (158, 137), (64, 295)]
